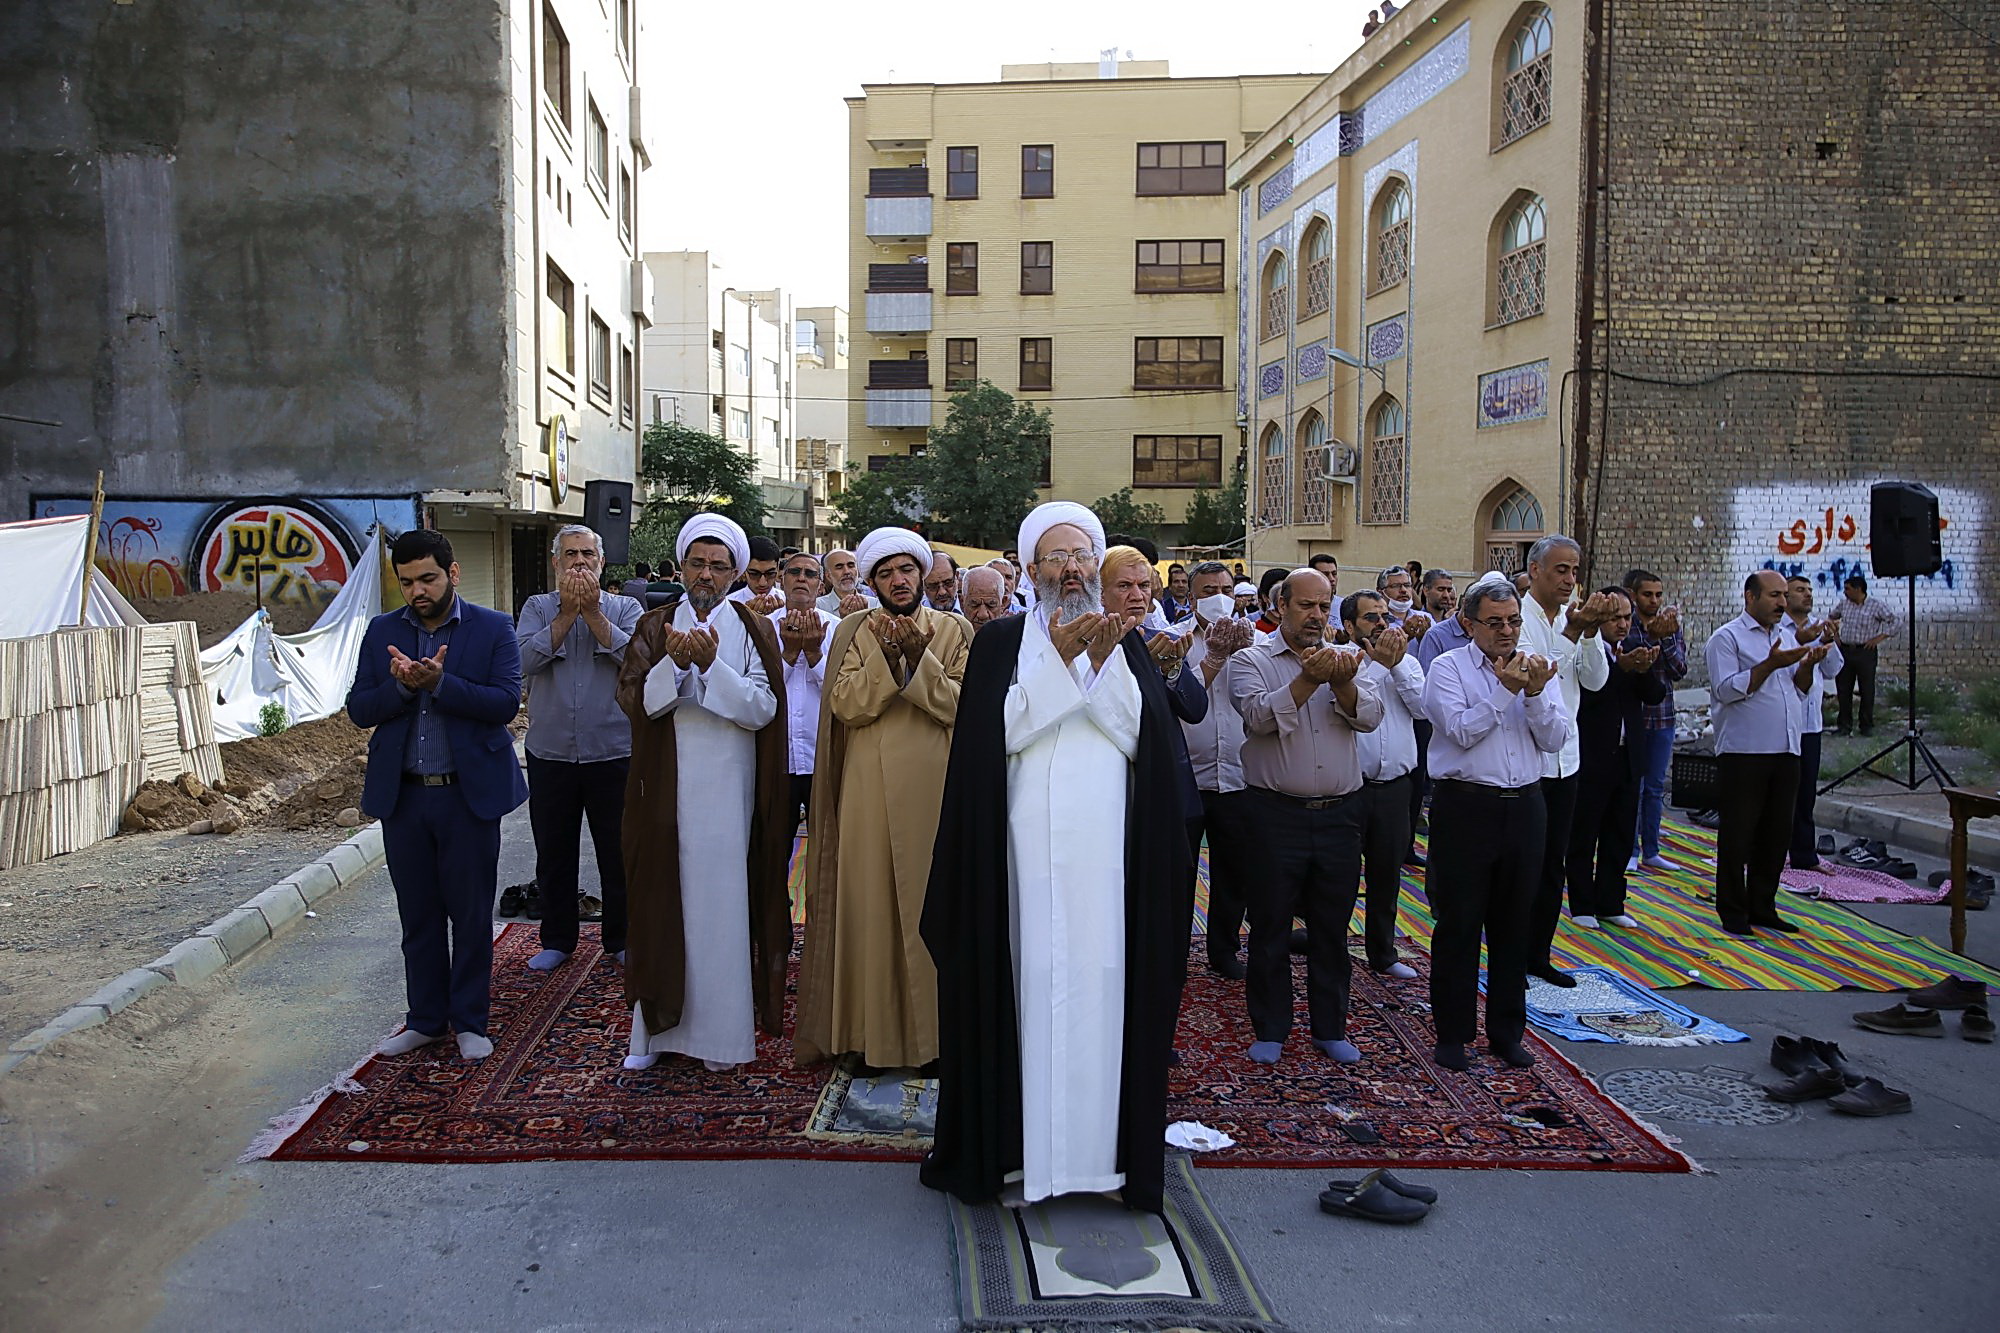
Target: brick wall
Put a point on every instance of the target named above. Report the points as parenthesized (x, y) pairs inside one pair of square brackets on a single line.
[(1801, 233)]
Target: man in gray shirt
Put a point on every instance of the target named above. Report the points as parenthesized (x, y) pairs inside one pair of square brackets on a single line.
[(579, 741)]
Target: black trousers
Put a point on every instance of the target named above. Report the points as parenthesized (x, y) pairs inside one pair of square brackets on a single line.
[(1857, 669), (1485, 867), (445, 863), (1559, 807), (560, 797), (1759, 794), (1385, 841), (1307, 864), (1226, 821), (1805, 837), (1602, 833), (1420, 781)]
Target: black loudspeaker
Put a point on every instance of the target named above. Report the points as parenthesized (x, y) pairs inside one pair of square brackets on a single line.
[(1903, 535), (607, 511)]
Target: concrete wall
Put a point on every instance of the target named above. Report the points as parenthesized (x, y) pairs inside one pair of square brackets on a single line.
[(253, 248)]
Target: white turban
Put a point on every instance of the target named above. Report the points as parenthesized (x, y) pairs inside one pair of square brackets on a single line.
[(1055, 512), (1246, 589), (715, 528), (882, 543)]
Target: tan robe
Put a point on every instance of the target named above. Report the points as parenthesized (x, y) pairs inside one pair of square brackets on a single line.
[(866, 981)]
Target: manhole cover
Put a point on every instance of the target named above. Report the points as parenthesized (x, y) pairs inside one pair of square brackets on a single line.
[(1706, 1096)]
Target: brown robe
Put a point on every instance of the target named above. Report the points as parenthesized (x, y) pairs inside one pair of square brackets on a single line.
[(866, 980), (656, 967)]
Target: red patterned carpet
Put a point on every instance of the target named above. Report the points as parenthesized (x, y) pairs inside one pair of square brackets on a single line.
[(555, 1089)]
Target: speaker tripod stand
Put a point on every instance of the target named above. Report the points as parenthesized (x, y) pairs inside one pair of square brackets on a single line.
[(1912, 739)]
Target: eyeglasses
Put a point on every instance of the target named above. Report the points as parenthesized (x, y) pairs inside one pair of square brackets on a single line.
[(1499, 623), (1057, 559), (941, 585), (698, 566), (759, 575)]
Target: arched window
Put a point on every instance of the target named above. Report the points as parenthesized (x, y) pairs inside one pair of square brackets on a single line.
[(1386, 433), (1392, 235), (1523, 266), (1274, 489), (1513, 523), (1315, 491), (1277, 295), (1319, 270), (1525, 94)]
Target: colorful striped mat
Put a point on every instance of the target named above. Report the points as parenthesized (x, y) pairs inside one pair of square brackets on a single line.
[(1679, 941)]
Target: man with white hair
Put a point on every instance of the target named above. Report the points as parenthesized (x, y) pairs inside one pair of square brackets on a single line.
[(985, 597), (845, 593), (706, 804), (579, 744), (866, 985), (1050, 914)]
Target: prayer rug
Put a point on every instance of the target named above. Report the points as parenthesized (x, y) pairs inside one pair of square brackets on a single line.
[(1084, 1262), (555, 1089), (1834, 882), (1679, 941), (1604, 1006)]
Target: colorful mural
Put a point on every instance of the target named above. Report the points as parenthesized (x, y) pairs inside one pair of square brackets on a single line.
[(296, 550)]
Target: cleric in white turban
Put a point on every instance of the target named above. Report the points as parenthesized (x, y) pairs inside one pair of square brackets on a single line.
[(1058, 942), (707, 833), (884, 542)]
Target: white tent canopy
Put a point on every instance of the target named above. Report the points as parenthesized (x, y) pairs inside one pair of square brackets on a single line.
[(41, 565)]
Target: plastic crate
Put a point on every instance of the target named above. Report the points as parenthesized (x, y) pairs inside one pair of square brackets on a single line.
[(1696, 781)]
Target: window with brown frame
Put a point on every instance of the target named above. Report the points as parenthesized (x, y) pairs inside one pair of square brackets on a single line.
[(1523, 263), (1043, 441), (559, 318), (1525, 95), (1318, 296), (961, 173), (1182, 168), (1176, 460), (961, 363), (1038, 171), (961, 268), (600, 359), (1177, 363), (627, 387), (1392, 236), (555, 65), (1037, 363), (1177, 266), (1038, 267)]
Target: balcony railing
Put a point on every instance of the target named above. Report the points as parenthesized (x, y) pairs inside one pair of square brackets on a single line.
[(899, 277), (899, 374), (898, 182)]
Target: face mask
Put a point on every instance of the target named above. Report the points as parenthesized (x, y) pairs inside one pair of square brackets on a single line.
[(1400, 608), (1215, 606)]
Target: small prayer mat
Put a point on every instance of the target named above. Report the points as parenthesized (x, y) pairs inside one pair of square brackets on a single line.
[(1606, 1007), (1085, 1262), (894, 1109)]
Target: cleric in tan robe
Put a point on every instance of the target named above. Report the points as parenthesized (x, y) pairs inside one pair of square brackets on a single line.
[(707, 828), (866, 983)]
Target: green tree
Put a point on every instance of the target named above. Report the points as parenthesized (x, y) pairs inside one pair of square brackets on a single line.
[(984, 464), (683, 472), (1215, 518), (1119, 512), (870, 500)]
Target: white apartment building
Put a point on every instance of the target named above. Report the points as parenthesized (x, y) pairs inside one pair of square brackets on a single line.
[(821, 358)]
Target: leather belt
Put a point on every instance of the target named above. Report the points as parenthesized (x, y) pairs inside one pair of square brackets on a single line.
[(1487, 788), (431, 779), (1307, 802)]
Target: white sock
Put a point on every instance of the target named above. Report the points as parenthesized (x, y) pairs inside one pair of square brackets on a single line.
[(642, 1061), (409, 1039), (473, 1046)]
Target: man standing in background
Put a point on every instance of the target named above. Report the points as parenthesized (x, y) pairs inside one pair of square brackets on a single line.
[(1812, 716), (1862, 623), (1659, 628)]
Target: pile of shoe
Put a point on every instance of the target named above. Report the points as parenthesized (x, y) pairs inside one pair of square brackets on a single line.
[(1873, 854), (1378, 1197), (1818, 1069), (1917, 1014), (1978, 887), (522, 900)]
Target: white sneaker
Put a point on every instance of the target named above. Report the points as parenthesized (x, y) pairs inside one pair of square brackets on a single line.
[(1621, 920), (1585, 922)]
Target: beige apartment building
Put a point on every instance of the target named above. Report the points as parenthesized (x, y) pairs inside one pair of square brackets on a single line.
[(1068, 234), (1408, 306)]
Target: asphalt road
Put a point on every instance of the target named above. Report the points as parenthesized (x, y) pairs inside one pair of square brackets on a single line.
[(123, 1208)]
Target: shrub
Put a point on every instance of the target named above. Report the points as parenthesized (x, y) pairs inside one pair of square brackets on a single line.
[(272, 719)]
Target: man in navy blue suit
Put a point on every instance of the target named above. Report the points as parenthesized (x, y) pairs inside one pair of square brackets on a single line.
[(439, 681)]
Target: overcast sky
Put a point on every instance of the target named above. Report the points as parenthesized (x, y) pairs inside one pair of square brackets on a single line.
[(748, 132)]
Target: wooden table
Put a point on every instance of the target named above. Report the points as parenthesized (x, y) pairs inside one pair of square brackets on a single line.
[(1967, 803)]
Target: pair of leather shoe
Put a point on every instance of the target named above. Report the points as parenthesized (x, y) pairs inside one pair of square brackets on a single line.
[(1902, 1020), (1378, 1197), (1871, 1097), (1817, 1069)]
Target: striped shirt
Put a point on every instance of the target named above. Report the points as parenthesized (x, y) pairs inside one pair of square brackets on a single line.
[(1860, 623)]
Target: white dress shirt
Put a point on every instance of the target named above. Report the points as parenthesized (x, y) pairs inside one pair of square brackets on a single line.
[(1215, 744), (1481, 731), (803, 684), (1812, 708), (1390, 751), (1581, 664), (1766, 722)]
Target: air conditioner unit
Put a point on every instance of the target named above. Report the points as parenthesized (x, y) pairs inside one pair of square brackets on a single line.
[(1342, 462)]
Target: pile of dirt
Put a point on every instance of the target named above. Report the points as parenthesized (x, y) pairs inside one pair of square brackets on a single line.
[(293, 755), (303, 777), (215, 614), (182, 803), (324, 799)]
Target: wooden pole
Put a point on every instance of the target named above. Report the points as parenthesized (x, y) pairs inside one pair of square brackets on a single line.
[(90, 551)]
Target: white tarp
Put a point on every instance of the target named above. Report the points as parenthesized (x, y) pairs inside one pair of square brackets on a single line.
[(308, 673), (41, 566)]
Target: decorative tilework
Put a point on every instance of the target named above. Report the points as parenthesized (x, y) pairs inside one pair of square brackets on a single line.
[(1275, 190), (1518, 393), (1432, 72), (1271, 379), (1265, 244), (1350, 131), (1322, 202), (1312, 361), (1242, 303), (1403, 162), (1317, 149), (1386, 340)]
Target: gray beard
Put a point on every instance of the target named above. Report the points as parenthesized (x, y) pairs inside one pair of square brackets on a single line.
[(1048, 592), (702, 602)]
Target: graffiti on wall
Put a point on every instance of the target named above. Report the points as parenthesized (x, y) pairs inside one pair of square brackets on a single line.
[(294, 550), (1821, 531)]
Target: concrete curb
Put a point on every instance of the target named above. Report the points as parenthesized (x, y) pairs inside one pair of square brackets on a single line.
[(1913, 832), (221, 944)]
